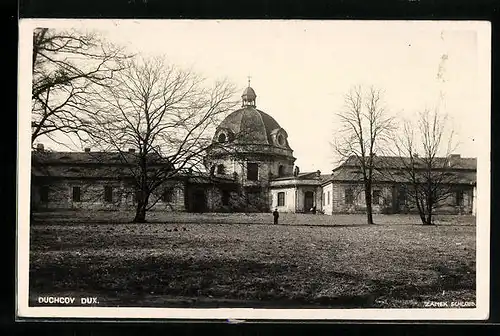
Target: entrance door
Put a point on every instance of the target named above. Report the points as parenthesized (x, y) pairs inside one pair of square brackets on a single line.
[(308, 201), (199, 201)]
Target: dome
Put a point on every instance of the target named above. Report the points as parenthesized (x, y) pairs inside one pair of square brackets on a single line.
[(252, 126), (248, 94)]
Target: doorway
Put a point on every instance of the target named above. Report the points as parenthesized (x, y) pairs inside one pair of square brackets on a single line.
[(199, 201), (308, 201)]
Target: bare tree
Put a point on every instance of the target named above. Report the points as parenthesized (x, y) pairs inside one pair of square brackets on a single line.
[(68, 68), (364, 130), (425, 162), (167, 116)]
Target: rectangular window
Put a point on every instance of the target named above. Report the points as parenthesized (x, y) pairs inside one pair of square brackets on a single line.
[(44, 194), (76, 194), (349, 196), (376, 197), (252, 171), (108, 194), (328, 199), (324, 198), (168, 195), (459, 198), (225, 197), (281, 199)]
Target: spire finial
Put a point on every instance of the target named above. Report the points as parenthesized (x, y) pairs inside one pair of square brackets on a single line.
[(249, 78)]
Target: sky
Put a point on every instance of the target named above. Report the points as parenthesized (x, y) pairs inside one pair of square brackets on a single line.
[(300, 70)]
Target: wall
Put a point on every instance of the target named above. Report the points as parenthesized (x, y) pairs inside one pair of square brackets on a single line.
[(268, 166), (290, 199), (327, 208), (389, 200), (92, 196)]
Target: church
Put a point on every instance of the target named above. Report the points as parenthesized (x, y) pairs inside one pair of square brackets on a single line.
[(250, 167)]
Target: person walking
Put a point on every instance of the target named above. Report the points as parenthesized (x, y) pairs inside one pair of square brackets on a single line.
[(276, 215)]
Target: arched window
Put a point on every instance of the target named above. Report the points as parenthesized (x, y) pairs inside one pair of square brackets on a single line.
[(221, 169), (222, 137), (281, 140), (281, 171)]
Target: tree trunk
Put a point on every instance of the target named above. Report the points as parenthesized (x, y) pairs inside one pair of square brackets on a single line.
[(369, 215), (140, 212), (428, 220), (421, 210), (368, 201)]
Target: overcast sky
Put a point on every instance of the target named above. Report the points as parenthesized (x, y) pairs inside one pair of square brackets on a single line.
[(300, 70)]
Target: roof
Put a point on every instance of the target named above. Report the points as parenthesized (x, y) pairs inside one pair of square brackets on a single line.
[(249, 94), (103, 165), (300, 176), (79, 158), (88, 164), (390, 169), (251, 125), (455, 162), (305, 178), (206, 178)]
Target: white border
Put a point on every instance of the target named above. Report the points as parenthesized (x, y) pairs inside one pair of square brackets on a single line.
[(481, 311)]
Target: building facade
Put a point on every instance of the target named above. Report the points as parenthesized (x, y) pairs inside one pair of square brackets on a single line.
[(392, 192), (249, 167)]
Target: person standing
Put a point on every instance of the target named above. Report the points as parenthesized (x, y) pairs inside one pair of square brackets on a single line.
[(276, 215)]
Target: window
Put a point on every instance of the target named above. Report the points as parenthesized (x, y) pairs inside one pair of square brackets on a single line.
[(168, 195), (76, 194), (376, 197), (222, 137), (221, 169), (328, 198), (459, 198), (281, 171), (225, 197), (252, 171), (281, 140), (44, 194), (281, 199), (324, 198), (108, 194), (349, 196)]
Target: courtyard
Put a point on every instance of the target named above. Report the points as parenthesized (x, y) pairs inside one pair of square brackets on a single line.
[(243, 260)]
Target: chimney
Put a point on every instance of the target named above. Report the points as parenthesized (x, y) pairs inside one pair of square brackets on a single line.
[(87, 149), (318, 173), (296, 171), (131, 150), (39, 147)]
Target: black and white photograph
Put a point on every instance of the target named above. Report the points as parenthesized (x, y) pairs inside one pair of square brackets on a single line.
[(253, 169)]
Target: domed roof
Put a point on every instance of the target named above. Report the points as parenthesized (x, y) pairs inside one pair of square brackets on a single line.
[(249, 94), (250, 125)]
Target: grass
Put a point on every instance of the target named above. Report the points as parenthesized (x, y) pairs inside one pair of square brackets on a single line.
[(238, 260)]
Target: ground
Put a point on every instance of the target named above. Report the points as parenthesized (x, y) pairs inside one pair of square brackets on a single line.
[(241, 260)]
